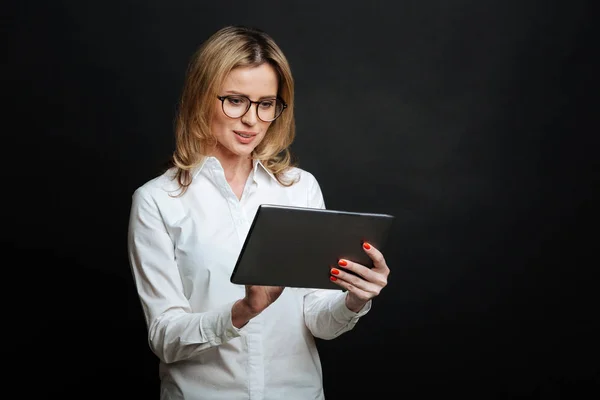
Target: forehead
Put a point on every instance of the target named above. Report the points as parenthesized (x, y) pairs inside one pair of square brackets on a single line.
[(257, 81)]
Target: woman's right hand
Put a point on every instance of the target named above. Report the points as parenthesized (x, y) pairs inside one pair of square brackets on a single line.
[(260, 297), (257, 299)]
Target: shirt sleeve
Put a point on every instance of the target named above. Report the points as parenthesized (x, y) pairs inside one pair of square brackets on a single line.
[(325, 311), (174, 332), (326, 314)]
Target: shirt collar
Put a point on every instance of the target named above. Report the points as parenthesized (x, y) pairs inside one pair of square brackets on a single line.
[(258, 166), (258, 169)]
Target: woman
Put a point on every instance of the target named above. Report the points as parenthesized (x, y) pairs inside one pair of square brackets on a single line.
[(214, 339)]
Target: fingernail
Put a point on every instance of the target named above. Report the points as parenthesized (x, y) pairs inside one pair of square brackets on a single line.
[(334, 271), (342, 263), (333, 278), (366, 245)]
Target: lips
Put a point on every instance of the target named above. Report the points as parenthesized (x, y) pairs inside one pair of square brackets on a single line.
[(245, 137), (245, 134)]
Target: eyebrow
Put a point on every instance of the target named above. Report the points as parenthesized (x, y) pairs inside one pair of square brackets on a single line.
[(243, 94)]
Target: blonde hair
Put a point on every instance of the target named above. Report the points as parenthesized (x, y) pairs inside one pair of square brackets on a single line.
[(228, 48)]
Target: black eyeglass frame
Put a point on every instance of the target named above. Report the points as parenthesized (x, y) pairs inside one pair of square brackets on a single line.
[(250, 102)]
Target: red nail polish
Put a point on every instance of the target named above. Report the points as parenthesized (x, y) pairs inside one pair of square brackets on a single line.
[(366, 245), (342, 263), (333, 278), (335, 271)]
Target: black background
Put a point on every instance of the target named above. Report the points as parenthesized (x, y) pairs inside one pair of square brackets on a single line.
[(474, 122)]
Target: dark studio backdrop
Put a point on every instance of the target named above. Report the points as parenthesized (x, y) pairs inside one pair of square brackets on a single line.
[(474, 122)]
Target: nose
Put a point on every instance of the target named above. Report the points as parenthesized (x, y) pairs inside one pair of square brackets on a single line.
[(251, 116)]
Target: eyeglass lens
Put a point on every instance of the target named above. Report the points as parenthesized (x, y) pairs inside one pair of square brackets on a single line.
[(236, 106)]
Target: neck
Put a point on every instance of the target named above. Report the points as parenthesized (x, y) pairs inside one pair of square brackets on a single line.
[(237, 168)]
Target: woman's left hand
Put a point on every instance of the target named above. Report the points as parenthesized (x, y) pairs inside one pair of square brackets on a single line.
[(369, 282)]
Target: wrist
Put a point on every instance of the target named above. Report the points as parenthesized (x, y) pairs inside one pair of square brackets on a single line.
[(353, 304), (241, 313)]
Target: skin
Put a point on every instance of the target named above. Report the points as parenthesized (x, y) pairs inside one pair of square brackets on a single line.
[(368, 285), (254, 82), (235, 157)]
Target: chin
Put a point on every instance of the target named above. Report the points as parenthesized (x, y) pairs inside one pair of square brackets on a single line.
[(240, 151), (244, 151)]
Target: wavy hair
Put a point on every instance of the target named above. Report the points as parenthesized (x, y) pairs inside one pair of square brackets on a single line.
[(228, 48)]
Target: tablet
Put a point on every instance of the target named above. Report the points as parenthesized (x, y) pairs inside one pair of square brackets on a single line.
[(297, 247)]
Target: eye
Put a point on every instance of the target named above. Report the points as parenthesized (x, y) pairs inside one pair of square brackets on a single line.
[(267, 104), (236, 100)]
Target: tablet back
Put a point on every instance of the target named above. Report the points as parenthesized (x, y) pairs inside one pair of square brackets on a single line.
[(296, 247)]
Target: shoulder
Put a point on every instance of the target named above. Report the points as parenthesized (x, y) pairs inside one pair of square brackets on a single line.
[(301, 177), (164, 185), (293, 178), (306, 187)]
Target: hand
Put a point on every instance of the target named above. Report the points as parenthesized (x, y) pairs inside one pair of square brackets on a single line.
[(369, 282), (257, 299), (260, 297)]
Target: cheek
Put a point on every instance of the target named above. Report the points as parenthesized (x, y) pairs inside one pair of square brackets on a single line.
[(218, 125), (265, 127)]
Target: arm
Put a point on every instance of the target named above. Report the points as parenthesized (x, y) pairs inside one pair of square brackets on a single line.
[(174, 331), (327, 318), (328, 313)]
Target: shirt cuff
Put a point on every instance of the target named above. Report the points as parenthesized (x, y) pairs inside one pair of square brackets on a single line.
[(343, 314), (217, 327)]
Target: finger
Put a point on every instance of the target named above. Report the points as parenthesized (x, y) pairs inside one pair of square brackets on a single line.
[(379, 262), (359, 293), (358, 282), (379, 278), (274, 293), (357, 268)]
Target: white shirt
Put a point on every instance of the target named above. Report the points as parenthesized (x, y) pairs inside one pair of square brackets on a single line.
[(182, 251)]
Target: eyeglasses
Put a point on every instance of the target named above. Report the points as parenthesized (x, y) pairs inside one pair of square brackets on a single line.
[(236, 106)]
